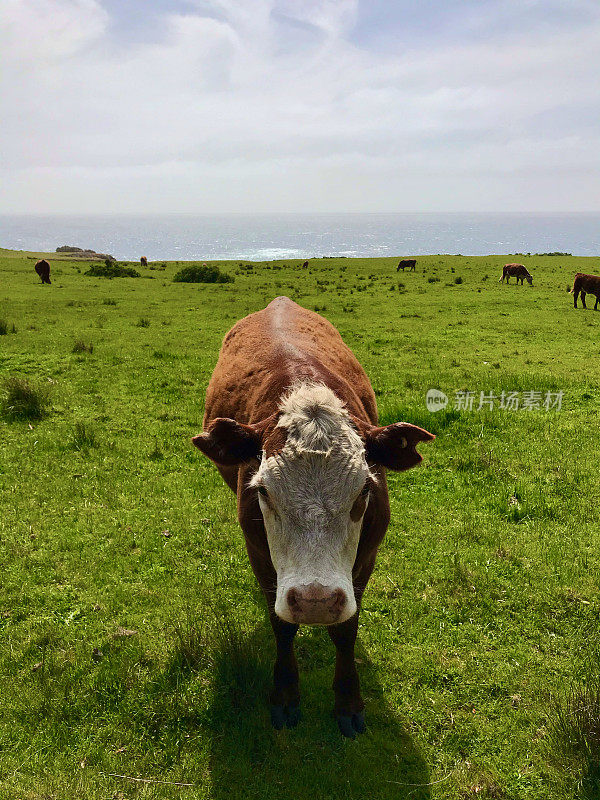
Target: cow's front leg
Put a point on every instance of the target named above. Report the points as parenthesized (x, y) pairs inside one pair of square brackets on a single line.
[(285, 697), (349, 706)]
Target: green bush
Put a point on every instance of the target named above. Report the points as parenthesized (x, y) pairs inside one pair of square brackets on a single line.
[(202, 274), (111, 270)]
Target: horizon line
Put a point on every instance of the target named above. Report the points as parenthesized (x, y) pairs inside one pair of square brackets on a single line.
[(280, 213)]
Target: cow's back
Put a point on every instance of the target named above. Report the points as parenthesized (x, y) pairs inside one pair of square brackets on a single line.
[(265, 353)]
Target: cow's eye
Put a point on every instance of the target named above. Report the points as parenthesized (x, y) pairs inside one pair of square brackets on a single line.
[(262, 491), (365, 490)]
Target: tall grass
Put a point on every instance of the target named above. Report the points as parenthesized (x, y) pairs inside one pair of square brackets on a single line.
[(22, 399), (575, 731), (84, 435), (80, 346)]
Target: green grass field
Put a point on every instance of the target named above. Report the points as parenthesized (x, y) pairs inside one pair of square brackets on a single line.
[(134, 640)]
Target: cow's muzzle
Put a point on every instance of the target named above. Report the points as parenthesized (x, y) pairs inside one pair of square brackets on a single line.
[(315, 604)]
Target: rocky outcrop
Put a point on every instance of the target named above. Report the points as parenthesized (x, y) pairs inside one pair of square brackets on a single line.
[(78, 252)]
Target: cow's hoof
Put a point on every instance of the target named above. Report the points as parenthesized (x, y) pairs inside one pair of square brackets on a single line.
[(351, 724), (285, 716)]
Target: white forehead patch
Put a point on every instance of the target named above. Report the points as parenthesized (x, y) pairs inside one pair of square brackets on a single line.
[(316, 420), (323, 453)]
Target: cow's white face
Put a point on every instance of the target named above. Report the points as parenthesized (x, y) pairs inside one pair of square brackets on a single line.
[(313, 495)]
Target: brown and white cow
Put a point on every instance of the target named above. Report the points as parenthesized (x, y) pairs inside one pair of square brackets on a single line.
[(407, 262), (42, 268), (518, 271), (143, 261), (586, 284), (291, 423)]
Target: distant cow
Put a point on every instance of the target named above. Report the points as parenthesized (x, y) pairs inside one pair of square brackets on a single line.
[(143, 261), (518, 271), (291, 423), (407, 262), (583, 284), (43, 270), (305, 264)]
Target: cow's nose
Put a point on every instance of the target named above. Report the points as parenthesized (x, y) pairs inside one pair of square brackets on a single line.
[(316, 604)]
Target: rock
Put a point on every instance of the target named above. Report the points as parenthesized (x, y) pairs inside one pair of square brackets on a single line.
[(121, 632), (79, 252)]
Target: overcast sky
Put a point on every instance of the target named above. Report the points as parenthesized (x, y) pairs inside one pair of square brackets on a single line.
[(299, 105)]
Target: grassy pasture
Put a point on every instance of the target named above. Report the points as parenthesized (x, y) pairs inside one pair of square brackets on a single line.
[(134, 640)]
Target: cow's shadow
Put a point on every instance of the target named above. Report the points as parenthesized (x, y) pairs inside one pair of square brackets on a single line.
[(251, 760)]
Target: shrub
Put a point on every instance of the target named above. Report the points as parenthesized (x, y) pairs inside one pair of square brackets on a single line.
[(143, 322), (433, 280), (108, 301), (111, 270), (202, 274), (458, 279), (23, 400)]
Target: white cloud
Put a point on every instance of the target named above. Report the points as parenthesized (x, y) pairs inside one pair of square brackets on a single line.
[(47, 31), (269, 103)]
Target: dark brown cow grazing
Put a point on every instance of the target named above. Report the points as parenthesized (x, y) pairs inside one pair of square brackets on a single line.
[(291, 423), (43, 270), (143, 261), (518, 271), (586, 284), (407, 262), (305, 264)]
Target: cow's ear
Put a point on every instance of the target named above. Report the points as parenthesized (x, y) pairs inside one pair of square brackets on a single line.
[(395, 446), (228, 443)]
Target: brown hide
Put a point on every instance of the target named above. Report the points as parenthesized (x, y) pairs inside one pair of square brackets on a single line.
[(586, 284), (517, 271), (43, 270)]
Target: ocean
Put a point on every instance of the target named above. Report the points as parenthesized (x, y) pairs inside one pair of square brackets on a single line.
[(261, 237)]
